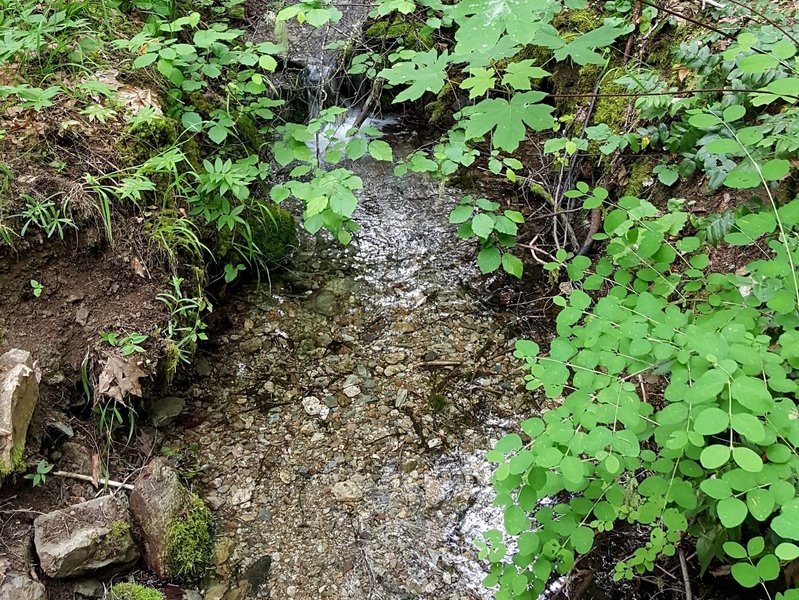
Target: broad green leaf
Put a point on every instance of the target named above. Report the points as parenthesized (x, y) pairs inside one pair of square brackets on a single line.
[(483, 225), (757, 63), (460, 214), (489, 259), (426, 72), (747, 459), (518, 74), (745, 574), (508, 120), (715, 456), (734, 550), (516, 520), (732, 512), (711, 421), (787, 551), (479, 82), (380, 150), (512, 265), (760, 503)]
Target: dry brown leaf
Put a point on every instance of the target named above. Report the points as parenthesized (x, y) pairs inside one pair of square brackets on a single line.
[(96, 470), (682, 73), (120, 378)]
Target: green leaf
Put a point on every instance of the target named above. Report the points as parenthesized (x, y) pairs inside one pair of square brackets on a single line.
[(775, 169), (460, 214), (747, 459), (426, 72), (217, 134), (760, 503), (508, 120), (582, 539), (731, 511), (734, 113), (489, 259), (380, 150), (483, 225), (516, 520), (479, 82), (749, 426), (512, 265), (716, 488), (786, 525), (509, 443), (518, 74), (711, 421), (734, 550), (668, 175), (715, 456), (745, 574), (572, 469), (768, 568), (757, 63), (787, 551), (191, 121), (704, 121)]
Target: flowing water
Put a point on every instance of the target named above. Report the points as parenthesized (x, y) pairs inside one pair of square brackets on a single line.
[(344, 417)]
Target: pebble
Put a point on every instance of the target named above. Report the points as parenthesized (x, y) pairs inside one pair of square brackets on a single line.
[(347, 491)]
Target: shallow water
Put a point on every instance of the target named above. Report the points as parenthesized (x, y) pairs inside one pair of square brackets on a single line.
[(348, 410)]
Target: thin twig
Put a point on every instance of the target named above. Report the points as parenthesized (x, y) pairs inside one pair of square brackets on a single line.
[(686, 580), (374, 94), (108, 482)]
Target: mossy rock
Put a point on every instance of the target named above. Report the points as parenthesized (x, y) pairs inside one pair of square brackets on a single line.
[(134, 591), (274, 235), (141, 141), (190, 543)]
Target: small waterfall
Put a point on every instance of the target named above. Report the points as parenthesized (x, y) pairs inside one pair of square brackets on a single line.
[(319, 85)]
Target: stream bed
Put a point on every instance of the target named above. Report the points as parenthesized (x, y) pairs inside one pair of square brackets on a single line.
[(344, 416)]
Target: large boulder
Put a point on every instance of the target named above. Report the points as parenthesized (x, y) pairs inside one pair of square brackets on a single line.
[(176, 527), (85, 538), (18, 586), (19, 392)]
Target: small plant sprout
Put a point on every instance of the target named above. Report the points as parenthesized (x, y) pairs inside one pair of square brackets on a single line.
[(39, 476), (38, 288)]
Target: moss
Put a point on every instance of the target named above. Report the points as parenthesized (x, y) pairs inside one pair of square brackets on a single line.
[(572, 23), (139, 142), (641, 171), (17, 463), (190, 543), (134, 591), (274, 234), (119, 531), (611, 110)]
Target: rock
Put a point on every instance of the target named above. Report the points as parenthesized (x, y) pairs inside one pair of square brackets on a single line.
[(251, 345), (347, 491), (19, 392), (16, 586), (352, 391), (88, 587), (216, 592), (175, 525), (222, 551), (258, 572), (192, 595), (326, 303), (240, 592), (164, 410), (85, 538)]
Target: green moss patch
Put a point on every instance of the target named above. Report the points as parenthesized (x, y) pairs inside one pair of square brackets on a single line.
[(134, 591), (141, 141), (190, 543), (274, 235)]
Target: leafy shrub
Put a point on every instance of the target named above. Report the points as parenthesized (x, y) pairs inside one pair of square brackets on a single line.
[(675, 398)]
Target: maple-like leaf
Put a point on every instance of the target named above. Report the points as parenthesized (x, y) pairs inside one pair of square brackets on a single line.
[(483, 22), (479, 82), (426, 72), (518, 75), (582, 49), (509, 120)]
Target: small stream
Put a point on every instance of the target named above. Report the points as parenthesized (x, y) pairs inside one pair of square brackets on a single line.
[(344, 416)]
